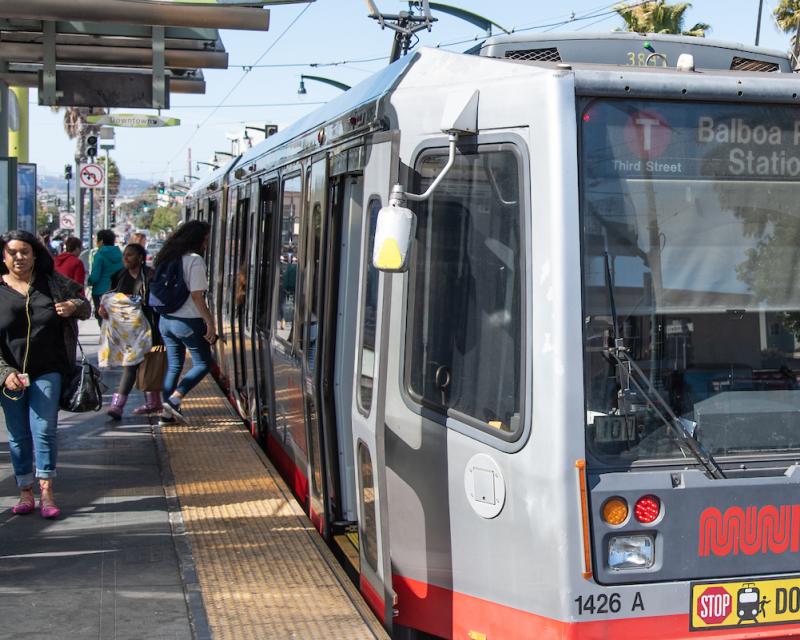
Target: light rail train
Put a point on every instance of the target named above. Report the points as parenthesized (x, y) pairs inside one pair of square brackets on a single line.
[(521, 328)]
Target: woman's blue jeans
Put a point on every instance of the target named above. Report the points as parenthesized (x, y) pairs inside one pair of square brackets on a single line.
[(180, 334), (31, 421)]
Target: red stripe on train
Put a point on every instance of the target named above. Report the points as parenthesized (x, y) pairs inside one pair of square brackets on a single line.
[(450, 614), (373, 600), (288, 469)]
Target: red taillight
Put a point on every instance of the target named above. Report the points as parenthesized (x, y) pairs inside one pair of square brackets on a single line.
[(647, 509)]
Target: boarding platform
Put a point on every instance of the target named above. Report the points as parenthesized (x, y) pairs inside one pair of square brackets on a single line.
[(179, 532)]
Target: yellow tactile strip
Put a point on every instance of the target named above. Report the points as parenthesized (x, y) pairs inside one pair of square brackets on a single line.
[(263, 571)]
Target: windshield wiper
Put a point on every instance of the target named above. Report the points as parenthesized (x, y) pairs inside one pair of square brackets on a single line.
[(683, 430)]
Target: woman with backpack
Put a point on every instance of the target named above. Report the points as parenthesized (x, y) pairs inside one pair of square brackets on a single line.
[(177, 293)]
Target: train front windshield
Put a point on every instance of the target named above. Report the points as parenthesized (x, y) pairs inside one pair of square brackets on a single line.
[(691, 261)]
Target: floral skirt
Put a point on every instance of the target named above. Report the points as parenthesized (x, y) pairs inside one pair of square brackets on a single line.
[(126, 336)]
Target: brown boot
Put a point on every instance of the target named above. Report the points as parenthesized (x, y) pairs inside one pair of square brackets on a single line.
[(47, 505)]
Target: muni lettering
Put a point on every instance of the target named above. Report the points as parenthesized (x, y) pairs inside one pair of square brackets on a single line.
[(749, 530)]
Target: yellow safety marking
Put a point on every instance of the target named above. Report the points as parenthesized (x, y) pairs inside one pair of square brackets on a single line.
[(742, 603), (263, 569), (389, 256)]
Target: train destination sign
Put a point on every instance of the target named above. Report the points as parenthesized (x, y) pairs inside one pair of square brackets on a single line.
[(136, 120), (661, 140)]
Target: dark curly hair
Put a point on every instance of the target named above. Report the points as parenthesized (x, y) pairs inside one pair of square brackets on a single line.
[(44, 259), (188, 238), (137, 249)]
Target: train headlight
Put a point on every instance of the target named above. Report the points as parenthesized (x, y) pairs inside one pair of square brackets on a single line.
[(631, 552)]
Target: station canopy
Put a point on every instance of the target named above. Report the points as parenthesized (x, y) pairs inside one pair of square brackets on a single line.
[(119, 53)]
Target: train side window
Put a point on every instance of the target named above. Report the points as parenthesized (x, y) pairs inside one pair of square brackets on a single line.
[(265, 255), (242, 257), (464, 344), (289, 231), (368, 526), (369, 313)]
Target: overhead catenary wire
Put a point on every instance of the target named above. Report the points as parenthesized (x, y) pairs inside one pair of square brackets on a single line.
[(243, 106), (239, 81), (607, 10), (603, 12), (549, 27)]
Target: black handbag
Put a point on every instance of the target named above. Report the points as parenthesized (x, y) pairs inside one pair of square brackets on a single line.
[(82, 390)]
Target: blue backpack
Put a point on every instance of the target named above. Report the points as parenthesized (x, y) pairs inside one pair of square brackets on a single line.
[(168, 290)]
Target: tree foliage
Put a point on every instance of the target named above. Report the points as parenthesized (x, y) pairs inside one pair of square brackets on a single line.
[(75, 126), (165, 219), (659, 17), (113, 180), (787, 17)]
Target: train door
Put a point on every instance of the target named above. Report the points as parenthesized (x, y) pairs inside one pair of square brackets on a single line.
[(263, 322), (239, 328), (248, 324), (228, 264), (313, 281), (288, 443), (367, 412), (338, 347), (215, 263)]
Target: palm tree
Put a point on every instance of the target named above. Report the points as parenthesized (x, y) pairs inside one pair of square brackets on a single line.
[(73, 120), (75, 125), (787, 16), (659, 17)]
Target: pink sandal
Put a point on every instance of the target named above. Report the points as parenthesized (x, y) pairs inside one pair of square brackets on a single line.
[(47, 506), (26, 504)]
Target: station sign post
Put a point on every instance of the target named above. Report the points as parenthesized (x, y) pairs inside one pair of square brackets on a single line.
[(8, 194)]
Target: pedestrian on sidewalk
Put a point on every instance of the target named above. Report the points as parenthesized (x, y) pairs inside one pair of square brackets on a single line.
[(107, 261), (125, 311), (67, 263), (190, 325), (39, 309)]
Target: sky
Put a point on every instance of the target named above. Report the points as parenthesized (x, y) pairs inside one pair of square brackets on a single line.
[(342, 43)]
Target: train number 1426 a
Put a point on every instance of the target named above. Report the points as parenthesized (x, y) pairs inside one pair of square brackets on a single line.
[(606, 603)]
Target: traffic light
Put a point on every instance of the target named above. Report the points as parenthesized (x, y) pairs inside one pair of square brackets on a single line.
[(161, 188), (67, 172), (91, 146)]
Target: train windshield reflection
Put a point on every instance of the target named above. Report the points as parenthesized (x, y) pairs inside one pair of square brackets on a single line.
[(691, 224)]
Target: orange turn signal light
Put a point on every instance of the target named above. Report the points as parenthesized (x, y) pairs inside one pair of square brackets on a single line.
[(615, 511)]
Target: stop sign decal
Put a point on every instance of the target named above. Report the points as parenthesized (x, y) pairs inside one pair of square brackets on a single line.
[(714, 605)]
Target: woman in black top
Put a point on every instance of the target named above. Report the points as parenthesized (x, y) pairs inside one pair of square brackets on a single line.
[(134, 280), (37, 347)]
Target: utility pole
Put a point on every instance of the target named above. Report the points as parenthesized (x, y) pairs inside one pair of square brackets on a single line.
[(758, 22), (105, 195), (91, 214), (106, 143)]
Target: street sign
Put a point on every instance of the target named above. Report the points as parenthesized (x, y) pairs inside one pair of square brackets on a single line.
[(66, 220), (136, 120), (91, 176)]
